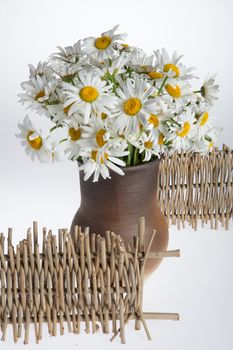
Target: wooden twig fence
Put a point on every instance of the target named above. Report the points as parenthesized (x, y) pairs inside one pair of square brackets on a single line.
[(192, 187), (90, 278)]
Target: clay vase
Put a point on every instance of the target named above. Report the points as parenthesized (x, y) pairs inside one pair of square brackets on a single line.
[(116, 204)]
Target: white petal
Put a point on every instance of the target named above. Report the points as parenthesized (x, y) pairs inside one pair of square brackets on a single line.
[(115, 168), (116, 161), (87, 112)]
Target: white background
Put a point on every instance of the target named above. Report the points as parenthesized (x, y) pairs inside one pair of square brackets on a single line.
[(198, 285)]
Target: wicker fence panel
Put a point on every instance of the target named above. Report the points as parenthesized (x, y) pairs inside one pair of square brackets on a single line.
[(89, 279), (192, 187)]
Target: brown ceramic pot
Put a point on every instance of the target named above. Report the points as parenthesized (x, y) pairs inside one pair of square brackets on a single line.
[(116, 204)]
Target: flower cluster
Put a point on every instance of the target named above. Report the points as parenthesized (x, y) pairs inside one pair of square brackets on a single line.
[(116, 106)]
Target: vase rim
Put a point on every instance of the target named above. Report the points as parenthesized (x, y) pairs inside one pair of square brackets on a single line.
[(141, 166), (133, 167)]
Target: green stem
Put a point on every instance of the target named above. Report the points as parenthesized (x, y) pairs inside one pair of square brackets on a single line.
[(161, 87), (135, 156), (63, 140), (175, 122), (129, 159), (197, 91), (58, 126), (113, 81), (53, 128), (209, 139)]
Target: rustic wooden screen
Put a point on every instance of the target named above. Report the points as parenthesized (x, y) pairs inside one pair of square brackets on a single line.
[(91, 279), (193, 187)]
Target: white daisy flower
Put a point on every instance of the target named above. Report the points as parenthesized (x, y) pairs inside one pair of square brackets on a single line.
[(199, 106), (181, 130), (156, 75), (134, 104), (103, 46), (201, 126), (89, 94), (163, 101), (36, 145), (150, 147), (210, 89), (163, 57), (116, 66), (123, 47), (39, 91), (180, 94), (95, 135), (171, 67), (156, 124), (69, 54), (99, 161), (41, 69), (143, 63), (65, 71), (135, 53), (59, 114), (149, 66), (102, 118), (75, 136), (206, 143), (99, 134)]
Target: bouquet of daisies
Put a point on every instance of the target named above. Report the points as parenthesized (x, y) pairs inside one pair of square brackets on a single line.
[(111, 105)]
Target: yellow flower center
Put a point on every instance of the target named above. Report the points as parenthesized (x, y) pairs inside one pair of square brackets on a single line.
[(153, 119), (94, 156), (74, 134), (171, 66), (155, 75), (40, 94), (132, 106), (148, 144), (105, 158), (140, 126), (103, 116), (174, 91), (204, 118), (126, 46), (100, 137), (67, 108), (185, 130), (161, 139), (88, 94), (103, 42), (211, 145), (36, 143)]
